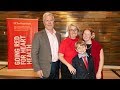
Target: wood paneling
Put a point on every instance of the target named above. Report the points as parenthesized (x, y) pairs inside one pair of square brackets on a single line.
[(106, 25)]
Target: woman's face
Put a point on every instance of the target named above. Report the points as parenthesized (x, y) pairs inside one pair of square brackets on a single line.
[(73, 32), (87, 35)]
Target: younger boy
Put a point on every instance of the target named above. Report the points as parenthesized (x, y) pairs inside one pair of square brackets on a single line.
[(83, 63)]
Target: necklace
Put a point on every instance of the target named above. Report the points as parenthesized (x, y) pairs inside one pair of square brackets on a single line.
[(89, 46)]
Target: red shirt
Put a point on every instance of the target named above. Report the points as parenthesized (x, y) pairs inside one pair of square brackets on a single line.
[(67, 47)]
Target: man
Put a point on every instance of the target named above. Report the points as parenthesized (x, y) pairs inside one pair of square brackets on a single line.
[(45, 49)]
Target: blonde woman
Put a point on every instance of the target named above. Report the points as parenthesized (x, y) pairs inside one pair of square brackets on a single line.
[(67, 52)]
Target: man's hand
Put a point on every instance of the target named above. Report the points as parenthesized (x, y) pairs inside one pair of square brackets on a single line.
[(40, 73)]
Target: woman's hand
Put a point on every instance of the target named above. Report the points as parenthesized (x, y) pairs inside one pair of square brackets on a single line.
[(71, 69), (98, 75)]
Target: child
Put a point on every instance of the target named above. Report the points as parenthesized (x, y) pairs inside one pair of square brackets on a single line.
[(84, 69)]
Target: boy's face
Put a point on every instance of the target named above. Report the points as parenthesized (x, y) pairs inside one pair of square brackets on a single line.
[(81, 49)]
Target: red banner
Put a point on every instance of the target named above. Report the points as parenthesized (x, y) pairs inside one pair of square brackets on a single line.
[(20, 35)]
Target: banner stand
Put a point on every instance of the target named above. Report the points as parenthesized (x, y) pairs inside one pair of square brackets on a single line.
[(20, 33)]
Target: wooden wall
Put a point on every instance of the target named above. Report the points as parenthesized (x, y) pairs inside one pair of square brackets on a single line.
[(106, 25)]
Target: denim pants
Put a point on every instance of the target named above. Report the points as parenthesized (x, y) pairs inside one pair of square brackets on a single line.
[(54, 73)]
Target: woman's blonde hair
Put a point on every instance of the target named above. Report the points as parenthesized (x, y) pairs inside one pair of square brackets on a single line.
[(68, 27)]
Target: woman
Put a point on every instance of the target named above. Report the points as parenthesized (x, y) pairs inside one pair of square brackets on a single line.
[(95, 49), (67, 52)]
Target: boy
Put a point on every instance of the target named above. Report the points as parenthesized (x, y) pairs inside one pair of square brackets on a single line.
[(83, 63)]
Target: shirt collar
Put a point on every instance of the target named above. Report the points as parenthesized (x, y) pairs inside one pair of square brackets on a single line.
[(49, 32), (82, 55)]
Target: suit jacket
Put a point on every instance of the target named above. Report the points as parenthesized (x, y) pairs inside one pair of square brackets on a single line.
[(81, 71), (41, 52)]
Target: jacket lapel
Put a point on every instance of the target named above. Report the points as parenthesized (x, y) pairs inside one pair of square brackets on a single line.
[(47, 40)]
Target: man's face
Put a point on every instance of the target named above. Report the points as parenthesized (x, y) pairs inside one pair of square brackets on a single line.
[(49, 22)]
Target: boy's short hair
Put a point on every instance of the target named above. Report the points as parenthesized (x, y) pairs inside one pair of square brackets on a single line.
[(81, 43)]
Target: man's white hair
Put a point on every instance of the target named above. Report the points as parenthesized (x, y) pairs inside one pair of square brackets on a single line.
[(47, 14)]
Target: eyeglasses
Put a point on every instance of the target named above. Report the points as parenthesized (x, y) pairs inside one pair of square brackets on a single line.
[(73, 30)]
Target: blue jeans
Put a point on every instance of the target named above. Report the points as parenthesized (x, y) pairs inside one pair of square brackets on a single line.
[(54, 73)]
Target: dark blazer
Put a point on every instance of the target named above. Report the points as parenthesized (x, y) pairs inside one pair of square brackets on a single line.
[(41, 52), (81, 71)]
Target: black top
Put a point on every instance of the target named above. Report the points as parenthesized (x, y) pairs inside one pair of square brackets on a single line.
[(89, 49)]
